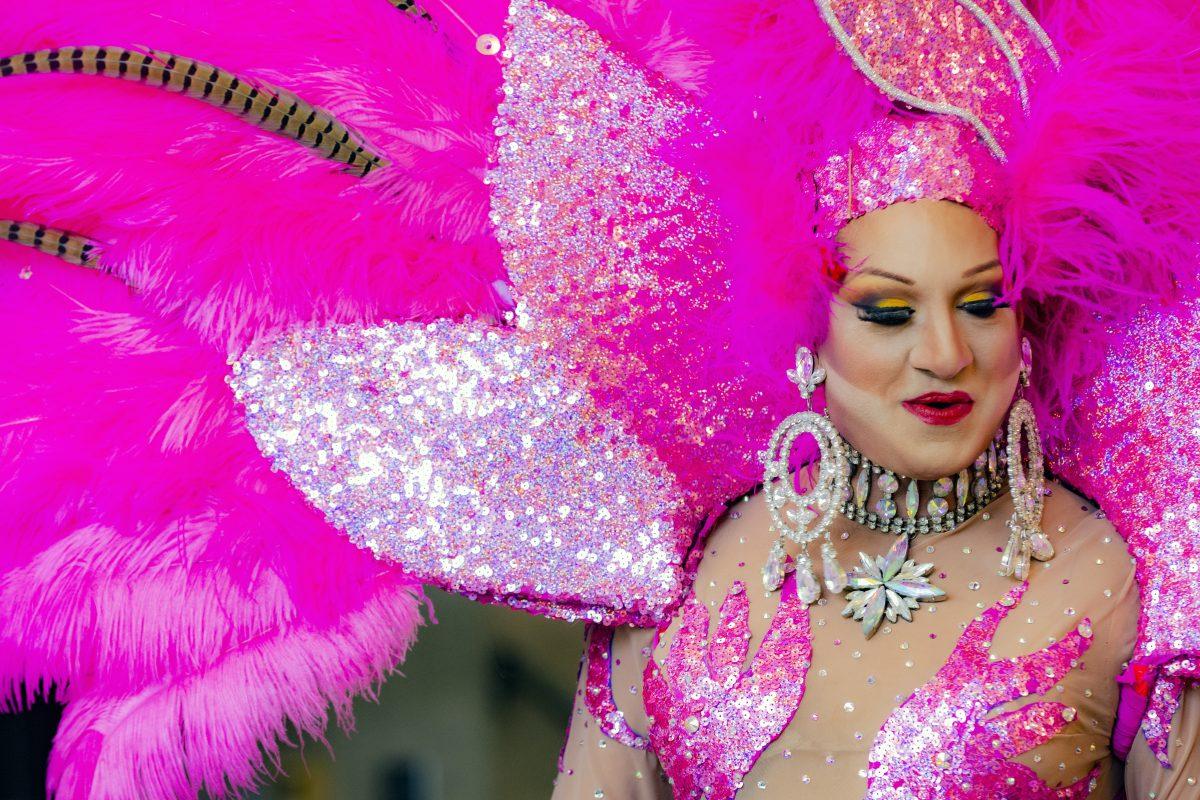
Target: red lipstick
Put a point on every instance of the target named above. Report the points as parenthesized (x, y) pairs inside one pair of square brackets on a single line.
[(940, 408)]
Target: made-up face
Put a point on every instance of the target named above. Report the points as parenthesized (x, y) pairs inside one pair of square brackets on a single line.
[(922, 359)]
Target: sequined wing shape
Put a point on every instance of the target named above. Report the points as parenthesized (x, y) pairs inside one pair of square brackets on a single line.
[(710, 718), (558, 460), (941, 742)]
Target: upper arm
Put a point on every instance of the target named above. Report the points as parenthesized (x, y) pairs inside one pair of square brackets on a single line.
[(600, 756), (1146, 778)]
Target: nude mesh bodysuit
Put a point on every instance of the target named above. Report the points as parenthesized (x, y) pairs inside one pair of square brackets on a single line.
[(921, 710)]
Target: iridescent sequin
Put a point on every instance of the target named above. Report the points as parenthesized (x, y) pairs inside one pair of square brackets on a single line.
[(940, 744), (560, 462), (460, 451), (600, 701), (710, 719), (1144, 403)]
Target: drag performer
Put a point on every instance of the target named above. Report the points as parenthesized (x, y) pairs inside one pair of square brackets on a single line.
[(835, 360)]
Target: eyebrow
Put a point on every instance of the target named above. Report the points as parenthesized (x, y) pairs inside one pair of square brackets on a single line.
[(995, 262)]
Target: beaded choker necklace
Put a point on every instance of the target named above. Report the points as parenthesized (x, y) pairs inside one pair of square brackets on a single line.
[(971, 490)]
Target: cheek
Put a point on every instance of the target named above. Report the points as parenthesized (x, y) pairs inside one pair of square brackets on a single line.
[(998, 352), (856, 356)]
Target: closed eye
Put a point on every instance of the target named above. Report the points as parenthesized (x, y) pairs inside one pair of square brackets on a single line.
[(985, 306), (884, 315)]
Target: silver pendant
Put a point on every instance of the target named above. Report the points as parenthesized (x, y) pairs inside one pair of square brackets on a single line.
[(891, 585)]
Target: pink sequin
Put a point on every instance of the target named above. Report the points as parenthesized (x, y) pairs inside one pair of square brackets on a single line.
[(560, 461), (941, 53), (895, 160), (710, 719), (1145, 403), (940, 745), (938, 53), (599, 699)]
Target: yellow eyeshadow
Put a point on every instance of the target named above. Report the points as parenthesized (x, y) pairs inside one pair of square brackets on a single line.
[(975, 297), (891, 302)]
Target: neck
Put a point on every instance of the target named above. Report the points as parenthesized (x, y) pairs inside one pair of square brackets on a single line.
[(882, 499)]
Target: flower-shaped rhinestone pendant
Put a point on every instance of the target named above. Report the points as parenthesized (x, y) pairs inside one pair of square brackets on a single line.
[(890, 585)]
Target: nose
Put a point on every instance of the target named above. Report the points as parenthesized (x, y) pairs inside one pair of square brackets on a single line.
[(941, 349)]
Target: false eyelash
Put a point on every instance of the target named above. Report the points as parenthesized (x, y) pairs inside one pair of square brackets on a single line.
[(870, 313), (898, 316)]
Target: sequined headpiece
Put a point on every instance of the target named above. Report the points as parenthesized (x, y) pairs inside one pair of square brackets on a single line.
[(969, 65)]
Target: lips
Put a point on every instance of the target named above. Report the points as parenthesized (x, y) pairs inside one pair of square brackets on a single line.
[(940, 408)]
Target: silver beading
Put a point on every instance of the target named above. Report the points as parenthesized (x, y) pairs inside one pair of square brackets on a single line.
[(1027, 485), (804, 517)]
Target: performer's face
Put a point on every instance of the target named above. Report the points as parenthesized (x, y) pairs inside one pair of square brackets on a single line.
[(941, 260)]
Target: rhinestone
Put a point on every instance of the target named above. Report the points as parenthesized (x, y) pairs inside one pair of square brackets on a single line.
[(862, 487), (973, 586), (887, 483), (691, 724), (1068, 713), (937, 507), (942, 487), (911, 500), (885, 507)]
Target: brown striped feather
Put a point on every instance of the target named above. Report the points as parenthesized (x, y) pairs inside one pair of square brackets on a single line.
[(259, 103), (411, 7), (70, 247)]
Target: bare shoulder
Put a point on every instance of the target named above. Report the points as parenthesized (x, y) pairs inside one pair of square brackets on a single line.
[(1085, 539)]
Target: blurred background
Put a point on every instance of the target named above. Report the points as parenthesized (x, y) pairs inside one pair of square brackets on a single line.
[(478, 710)]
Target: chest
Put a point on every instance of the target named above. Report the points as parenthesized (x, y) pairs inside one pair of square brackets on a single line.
[(992, 693)]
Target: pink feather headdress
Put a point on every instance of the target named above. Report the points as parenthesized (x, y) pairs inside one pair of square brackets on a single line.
[(512, 312)]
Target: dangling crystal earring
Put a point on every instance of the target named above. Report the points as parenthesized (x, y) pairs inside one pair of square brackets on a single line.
[(1026, 484), (803, 518)]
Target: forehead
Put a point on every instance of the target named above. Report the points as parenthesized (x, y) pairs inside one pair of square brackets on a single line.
[(922, 241)]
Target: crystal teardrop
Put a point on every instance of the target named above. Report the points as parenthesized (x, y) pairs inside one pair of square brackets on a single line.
[(1021, 568), (835, 574), (1009, 554), (964, 480), (807, 588), (1041, 547), (772, 574), (992, 459)]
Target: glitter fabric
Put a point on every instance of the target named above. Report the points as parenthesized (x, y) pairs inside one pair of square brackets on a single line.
[(600, 702), (945, 56), (710, 719), (940, 744), (897, 159), (560, 462), (1145, 403), (453, 449), (970, 66)]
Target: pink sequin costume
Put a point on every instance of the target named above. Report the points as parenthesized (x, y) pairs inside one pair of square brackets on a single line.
[(504, 294)]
